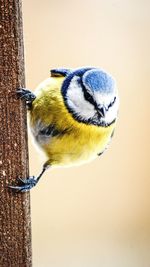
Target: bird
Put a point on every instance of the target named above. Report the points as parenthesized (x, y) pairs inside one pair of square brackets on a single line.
[(72, 117)]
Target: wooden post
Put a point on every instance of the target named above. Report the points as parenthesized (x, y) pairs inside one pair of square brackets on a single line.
[(15, 223)]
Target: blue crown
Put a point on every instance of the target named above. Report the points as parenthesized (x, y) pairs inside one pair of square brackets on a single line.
[(67, 81), (92, 78), (98, 80)]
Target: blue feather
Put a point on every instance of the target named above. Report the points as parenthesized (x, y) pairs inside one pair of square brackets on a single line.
[(60, 72), (77, 72), (98, 80)]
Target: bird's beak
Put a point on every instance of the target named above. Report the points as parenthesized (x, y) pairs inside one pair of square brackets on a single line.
[(101, 111)]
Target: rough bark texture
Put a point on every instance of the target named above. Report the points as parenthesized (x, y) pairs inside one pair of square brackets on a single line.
[(15, 224)]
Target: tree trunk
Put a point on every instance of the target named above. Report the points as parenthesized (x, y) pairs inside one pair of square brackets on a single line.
[(15, 223)]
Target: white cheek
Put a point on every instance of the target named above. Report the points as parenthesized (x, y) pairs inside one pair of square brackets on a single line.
[(105, 100), (77, 102), (112, 113)]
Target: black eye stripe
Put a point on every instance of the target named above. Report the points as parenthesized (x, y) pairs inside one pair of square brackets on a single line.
[(88, 96), (111, 104), (90, 99)]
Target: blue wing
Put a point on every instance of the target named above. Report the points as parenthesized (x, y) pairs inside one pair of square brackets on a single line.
[(60, 72)]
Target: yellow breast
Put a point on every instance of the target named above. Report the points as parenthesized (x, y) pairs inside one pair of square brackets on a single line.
[(77, 142)]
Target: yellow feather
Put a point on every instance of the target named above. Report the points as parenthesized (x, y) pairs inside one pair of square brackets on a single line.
[(80, 142)]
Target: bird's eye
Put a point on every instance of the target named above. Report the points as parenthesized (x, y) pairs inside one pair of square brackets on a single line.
[(89, 97)]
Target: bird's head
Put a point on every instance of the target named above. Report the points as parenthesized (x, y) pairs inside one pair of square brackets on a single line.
[(90, 95)]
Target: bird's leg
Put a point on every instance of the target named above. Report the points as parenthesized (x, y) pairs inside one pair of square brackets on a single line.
[(28, 183), (27, 95)]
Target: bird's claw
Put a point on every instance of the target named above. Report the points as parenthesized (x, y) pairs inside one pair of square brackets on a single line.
[(25, 184), (26, 94)]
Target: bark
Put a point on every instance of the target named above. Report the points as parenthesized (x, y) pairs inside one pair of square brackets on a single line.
[(15, 223)]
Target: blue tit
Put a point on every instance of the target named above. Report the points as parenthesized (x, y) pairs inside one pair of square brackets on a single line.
[(72, 117)]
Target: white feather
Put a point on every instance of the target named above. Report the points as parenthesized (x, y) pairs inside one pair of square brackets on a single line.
[(84, 109), (77, 102)]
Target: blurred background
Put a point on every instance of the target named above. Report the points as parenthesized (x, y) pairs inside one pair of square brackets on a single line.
[(96, 215)]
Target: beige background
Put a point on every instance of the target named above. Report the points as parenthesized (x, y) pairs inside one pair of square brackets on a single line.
[(96, 215)]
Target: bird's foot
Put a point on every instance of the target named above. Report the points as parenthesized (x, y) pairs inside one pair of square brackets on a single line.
[(27, 95), (25, 184)]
